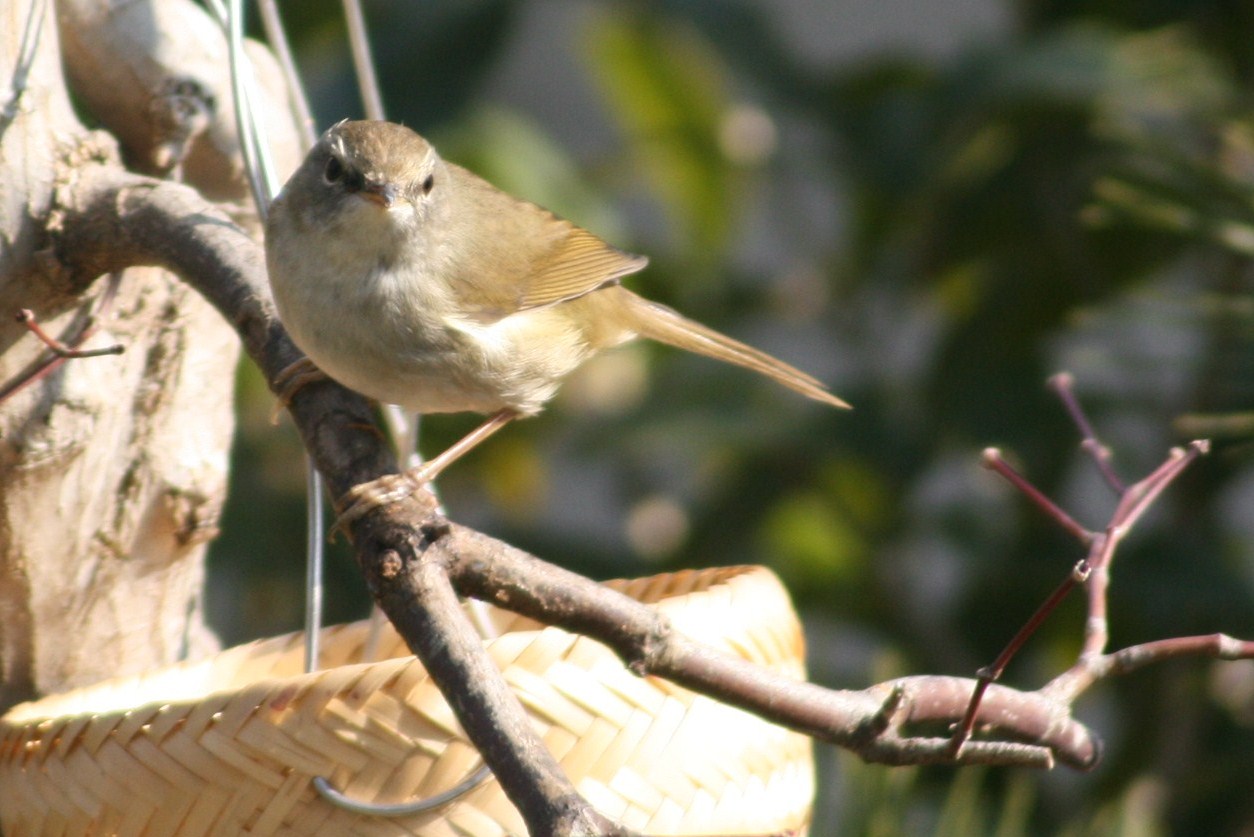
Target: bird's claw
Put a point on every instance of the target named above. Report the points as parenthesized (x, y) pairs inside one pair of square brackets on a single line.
[(364, 498)]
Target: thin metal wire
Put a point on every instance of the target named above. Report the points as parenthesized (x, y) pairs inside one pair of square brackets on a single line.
[(401, 809), (315, 560), (315, 520), (263, 181), (277, 37), (264, 184), (258, 165), (363, 62)]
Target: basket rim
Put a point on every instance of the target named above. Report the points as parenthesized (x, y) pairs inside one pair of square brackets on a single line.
[(190, 682)]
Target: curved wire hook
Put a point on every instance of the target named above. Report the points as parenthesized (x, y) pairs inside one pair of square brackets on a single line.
[(263, 181), (400, 809)]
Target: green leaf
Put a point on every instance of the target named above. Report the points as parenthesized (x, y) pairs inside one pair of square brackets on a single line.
[(668, 91)]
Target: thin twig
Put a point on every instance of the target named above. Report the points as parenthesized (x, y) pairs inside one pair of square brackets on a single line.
[(1073, 682), (1141, 496), (991, 673), (26, 317), (1096, 622), (994, 461), (494, 571), (1093, 571), (1218, 646), (1136, 500), (1064, 385), (62, 352)]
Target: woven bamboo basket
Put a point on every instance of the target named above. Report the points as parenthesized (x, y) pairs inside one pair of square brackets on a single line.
[(231, 745)]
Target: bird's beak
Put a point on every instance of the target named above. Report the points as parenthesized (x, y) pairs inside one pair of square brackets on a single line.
[(384, 194)]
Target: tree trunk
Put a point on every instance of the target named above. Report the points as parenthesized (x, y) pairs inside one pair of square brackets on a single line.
[(113, 469)]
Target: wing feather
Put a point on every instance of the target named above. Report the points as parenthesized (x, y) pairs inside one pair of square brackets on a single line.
[(578, 264)]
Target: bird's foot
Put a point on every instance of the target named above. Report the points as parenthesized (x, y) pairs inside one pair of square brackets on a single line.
[(362, 499)]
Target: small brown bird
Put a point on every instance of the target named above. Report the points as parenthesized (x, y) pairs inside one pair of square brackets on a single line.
[(413, 281)]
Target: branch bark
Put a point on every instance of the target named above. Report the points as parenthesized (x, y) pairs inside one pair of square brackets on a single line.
[(414, 560), (154, 73), (115, 218)]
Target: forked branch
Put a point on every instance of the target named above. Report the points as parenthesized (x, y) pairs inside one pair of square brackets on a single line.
[(1093, 572), (415, 561)]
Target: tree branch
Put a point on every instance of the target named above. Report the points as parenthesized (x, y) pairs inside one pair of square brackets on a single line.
[(415, 561), (489, 569), (113, 219), (1093, 571)]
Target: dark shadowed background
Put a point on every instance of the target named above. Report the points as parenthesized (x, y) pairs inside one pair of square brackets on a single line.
[(932, 205)]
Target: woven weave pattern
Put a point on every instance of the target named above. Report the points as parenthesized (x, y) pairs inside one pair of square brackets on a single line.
[(230, 745)]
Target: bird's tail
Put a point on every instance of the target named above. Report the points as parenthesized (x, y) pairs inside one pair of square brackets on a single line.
[(667, 326)]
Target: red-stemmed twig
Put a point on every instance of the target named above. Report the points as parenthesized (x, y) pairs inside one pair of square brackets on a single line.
[(60, 351), (1093, 571), (994, 461), (26, 317), (990, 673), (1064, 384), (1069, 685)]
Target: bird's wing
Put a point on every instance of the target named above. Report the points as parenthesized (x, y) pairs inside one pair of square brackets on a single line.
[(577, 264), (537, 258)]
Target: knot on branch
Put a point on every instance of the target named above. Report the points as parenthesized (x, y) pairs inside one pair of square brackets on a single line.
[(643, 651), (435, 527), (390, 564)]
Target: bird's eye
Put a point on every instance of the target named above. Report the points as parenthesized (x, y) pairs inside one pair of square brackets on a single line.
[(334, 170), (428, 184)]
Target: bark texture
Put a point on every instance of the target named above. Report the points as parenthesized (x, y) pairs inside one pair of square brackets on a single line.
[(112, 469)]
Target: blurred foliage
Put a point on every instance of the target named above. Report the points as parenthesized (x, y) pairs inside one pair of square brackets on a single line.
[(933, 232), (666, 88)]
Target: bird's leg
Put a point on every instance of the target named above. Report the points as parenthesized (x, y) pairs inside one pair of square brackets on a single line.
[(431, 469), (360, 499)]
